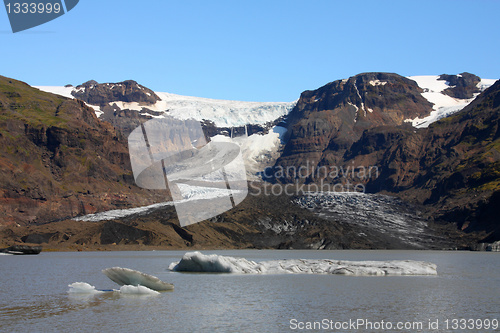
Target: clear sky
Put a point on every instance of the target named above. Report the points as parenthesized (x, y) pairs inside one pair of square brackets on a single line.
[(253, 50)]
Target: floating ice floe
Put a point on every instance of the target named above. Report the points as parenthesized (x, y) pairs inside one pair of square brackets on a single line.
[(198, 262), (126, 276), (137, 290), (83, 288), (131, 281)]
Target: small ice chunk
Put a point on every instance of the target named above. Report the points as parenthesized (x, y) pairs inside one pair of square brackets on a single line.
[(137, 290), (82, 288)]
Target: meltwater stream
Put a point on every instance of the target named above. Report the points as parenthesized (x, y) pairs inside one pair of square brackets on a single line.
[(34, 293)]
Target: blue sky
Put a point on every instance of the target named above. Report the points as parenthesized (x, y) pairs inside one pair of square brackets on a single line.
[(252, 50)]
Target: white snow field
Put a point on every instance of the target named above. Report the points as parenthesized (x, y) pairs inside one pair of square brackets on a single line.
[(256, 148), (198, 262), (444, 105), (227, 113), (224, 113)]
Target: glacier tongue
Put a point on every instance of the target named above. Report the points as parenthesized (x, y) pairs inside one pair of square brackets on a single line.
[(198, 262)]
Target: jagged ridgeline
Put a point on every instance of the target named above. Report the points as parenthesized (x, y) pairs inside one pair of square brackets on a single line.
[(431, 141)]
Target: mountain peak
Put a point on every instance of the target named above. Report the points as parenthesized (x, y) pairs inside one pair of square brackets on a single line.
[(128, 91), (462, 86)]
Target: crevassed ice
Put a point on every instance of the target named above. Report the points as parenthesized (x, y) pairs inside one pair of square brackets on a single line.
[(198, 262)]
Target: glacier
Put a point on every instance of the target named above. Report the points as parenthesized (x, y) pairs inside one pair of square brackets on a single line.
[(189, 193), (199, 262), (224, 113)]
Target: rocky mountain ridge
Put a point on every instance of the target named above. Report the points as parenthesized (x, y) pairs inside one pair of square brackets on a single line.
[(58, 160), (359, 121), (128, 91), (450, 167)]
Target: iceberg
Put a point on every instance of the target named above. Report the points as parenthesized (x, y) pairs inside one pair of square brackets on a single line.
[(87, 289), (198, 262), (83, 288), (132, 283), (137, 290), (126, 276)]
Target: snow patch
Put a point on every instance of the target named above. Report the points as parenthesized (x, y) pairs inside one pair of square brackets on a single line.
[(378, 83), (485, 84), (198, 262), (443, 105)]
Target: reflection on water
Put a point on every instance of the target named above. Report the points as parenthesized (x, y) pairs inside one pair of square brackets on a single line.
[(34, 294)]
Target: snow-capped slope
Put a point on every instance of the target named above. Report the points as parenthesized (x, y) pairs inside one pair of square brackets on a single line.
[(444, 105), (66, 92), (224, 113), (256, 148)]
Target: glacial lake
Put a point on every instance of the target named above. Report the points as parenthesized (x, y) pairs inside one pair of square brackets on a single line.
[(34, 295)]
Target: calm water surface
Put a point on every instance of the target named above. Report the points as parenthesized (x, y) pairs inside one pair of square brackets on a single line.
[(34, 296)]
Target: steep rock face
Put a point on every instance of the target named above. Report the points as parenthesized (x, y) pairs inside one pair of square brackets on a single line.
[(95, 93), (462, 86), (453, 167), (326, 121), (57, 160)]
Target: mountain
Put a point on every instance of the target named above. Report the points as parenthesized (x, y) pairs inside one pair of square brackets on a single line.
[(440, 174), (127, 91), (327, 121), (128, 104), (451, 167), (58, 160)]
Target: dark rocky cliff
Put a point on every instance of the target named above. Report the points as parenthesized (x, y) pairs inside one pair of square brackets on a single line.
[(58, 160), (327, 121), (128, 91)]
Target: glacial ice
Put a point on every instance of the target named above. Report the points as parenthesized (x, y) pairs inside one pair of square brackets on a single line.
[(131, 281), (126, 276), (198, 262), (137, 290), (82, 288), (86, 289)]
